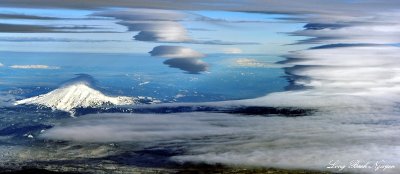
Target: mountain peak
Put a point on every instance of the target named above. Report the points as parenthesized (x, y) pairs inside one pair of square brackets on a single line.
[(77, 93)]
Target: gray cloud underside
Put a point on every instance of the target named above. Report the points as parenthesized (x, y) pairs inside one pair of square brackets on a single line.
[(300, 6), (23, 28), (16, 28), (50, 39), (190, 65), (25, 16)]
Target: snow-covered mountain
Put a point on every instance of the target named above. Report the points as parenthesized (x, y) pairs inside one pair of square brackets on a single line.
[(78, 93)]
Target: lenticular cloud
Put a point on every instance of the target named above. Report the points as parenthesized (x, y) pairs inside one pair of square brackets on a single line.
[(175, 52), (154, 25), (182, 58), (356, 56), (369, 69)]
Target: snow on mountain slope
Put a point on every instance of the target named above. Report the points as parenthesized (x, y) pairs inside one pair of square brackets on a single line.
[(78, 93)]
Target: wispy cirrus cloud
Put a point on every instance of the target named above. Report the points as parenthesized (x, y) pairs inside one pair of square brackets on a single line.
[(33, 67)]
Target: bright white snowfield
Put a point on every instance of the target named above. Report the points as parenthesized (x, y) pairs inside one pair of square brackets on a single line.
[(74, 96)]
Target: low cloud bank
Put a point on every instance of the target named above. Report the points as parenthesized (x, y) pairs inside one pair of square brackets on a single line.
[(129, 127), (261, 141), (254, 63)]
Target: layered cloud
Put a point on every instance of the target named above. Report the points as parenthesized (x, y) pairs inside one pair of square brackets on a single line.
[(357, 56), (152, 24), (363, 33), (181, 57), (157, 25)]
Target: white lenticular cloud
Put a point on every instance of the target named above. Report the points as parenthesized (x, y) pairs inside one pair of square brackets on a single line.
[(357, 58), (348, 69), (154, 25), (1, 65), (158, 31), (34, 67), (175, 52), (182, 58), (379, 33)]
